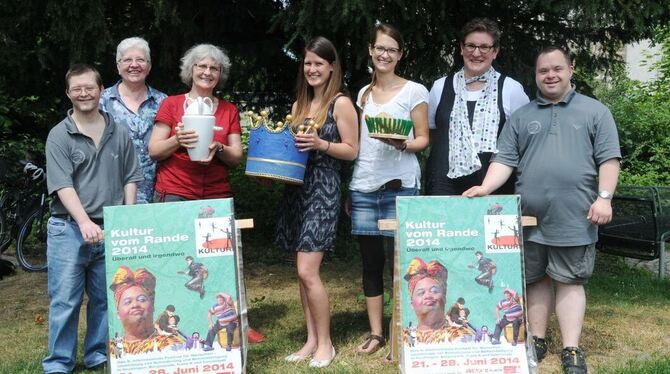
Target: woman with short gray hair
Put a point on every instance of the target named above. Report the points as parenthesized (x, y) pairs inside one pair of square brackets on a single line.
[(132, 103), (134, 42), (198, 53), (204, 68)]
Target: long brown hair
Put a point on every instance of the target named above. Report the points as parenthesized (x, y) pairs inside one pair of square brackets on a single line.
[(395, 34), (325, 49)]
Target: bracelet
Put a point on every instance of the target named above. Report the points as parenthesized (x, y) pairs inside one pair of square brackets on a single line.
[(403, 147), (220, 150), (327, 148)]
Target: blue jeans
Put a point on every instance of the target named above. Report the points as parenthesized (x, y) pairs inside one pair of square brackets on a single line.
[(73, 267), (369, 207)]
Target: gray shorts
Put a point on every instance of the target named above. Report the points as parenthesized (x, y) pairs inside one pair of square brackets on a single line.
[(569, 265)]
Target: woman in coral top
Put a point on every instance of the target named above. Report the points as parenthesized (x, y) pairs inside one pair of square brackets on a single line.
[(204, 67)]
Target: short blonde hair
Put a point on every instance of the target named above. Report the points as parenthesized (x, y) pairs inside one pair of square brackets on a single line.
[(200, 52)]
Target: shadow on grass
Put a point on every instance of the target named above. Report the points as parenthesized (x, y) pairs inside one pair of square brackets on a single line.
[(263, 316), (348, 326)]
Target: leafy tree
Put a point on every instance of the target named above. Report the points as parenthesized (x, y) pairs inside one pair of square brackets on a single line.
[(594, 30), (642, 113), (40, 38), (88, 31)]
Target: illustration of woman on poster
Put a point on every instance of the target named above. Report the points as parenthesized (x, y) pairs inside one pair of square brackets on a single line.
[(134, 294), (427, 284)]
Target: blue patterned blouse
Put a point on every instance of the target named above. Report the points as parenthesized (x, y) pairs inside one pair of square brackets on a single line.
[(139, 125)]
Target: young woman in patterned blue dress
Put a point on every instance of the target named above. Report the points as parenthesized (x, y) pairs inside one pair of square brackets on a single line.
[(309, 213)]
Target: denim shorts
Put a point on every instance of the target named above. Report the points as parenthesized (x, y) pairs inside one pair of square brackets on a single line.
[(369, 207)]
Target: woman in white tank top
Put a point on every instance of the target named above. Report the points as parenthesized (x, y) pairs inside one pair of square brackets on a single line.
[(385, 168)]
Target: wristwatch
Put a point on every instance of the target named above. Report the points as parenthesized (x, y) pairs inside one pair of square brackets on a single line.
[(220, 149), (605, 195)]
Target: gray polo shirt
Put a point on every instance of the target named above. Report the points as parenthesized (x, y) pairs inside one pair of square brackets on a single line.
[(557, 149), (97, 174)]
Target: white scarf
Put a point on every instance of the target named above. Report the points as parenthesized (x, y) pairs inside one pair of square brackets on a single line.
[(465, 141)]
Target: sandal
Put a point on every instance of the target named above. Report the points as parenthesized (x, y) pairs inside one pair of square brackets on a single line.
[(380, 343)]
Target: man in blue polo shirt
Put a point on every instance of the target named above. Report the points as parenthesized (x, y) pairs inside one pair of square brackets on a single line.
[(91, 163), (565, 149)]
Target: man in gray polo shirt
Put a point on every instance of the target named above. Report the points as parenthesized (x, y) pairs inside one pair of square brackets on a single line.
[(91, 163), (565, 149)]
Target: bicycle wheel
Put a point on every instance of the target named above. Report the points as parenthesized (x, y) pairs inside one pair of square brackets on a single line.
[(4, 232), (5, 224), (31, 247)]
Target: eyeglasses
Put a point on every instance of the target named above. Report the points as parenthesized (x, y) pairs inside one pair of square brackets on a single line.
[(204, 67), (79, 90), (129, 61), (484, 49), (379, 50)]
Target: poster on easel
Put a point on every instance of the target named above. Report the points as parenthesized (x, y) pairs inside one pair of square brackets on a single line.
[(174, 288), (460, 285)]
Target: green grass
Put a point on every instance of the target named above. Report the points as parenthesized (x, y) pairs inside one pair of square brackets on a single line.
[(648, 366), (625, 332)]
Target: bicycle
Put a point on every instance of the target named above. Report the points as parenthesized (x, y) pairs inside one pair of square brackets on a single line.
[(24, 212)]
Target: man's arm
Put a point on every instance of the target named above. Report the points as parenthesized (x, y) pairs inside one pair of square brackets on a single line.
[(209, 318), (496, 176), (89, 230), (130, 193), (600, 212)]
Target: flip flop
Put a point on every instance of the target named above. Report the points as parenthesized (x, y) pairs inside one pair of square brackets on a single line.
[(380, 343)]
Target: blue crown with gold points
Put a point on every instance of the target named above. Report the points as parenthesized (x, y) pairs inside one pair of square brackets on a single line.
[(272, 152)]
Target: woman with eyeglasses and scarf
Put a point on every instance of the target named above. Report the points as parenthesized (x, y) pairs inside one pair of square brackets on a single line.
[(467, 112)]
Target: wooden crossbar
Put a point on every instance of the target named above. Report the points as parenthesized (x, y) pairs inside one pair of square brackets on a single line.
[(247, 223)]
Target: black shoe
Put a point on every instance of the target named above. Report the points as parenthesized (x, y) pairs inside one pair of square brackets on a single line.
[(572, 360), (540, 348)]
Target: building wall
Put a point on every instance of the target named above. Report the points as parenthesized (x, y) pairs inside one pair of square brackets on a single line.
[(634, 54)]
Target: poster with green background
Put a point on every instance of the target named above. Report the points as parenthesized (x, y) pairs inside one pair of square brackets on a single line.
[(461, 274), (173, 286)]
